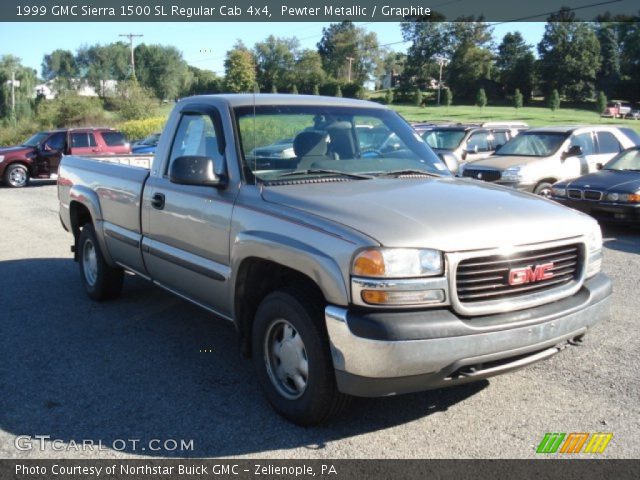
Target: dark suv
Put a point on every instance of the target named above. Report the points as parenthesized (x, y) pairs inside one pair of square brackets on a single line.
[(39, 156), (469, 142)]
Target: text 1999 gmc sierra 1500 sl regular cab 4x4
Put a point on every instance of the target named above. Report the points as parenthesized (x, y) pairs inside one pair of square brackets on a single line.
[(347, 269)]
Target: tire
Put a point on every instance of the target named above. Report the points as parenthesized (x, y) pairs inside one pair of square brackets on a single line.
[(100, 281), (289, 334), (16, 176), (543, 189)]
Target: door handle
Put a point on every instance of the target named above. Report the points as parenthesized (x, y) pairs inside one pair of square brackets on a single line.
[(157, 201)]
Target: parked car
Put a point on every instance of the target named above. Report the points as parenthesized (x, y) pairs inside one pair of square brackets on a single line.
[(633, 115), (282, 148), (537, 158), (616, 110), (146, 145), (39, 156), (342, 274), (611, 194), (468, 142)]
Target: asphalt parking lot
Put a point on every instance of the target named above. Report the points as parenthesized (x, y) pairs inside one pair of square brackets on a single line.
[(136, 368)]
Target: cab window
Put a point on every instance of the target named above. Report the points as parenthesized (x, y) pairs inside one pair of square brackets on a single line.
[(608, 143), (57, 141), (479, 140), (195, 136)]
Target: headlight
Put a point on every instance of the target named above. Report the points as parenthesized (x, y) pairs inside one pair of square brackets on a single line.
[(624, 197), (559, 192), (512, 174), (1, 158), (594, 251), (398, 263)]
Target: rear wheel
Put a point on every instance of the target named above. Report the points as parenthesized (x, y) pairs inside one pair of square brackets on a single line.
[(100, 281), (16, 175), (292, 358), (543, 189)]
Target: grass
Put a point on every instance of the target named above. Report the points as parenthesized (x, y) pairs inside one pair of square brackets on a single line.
[(534, 116)]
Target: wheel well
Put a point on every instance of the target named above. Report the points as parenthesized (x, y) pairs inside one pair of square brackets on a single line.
[(80, 215), (19, 162), (547, 180), (256, 279)]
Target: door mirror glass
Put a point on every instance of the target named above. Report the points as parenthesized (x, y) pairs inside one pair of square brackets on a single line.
[(195, 170), (599, 166), (574, 151)]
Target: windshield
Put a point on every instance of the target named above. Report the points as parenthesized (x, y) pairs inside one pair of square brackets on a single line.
[(347, 141), (627, 160), (151, 139), (36, 140), (533, 144), (444, 139)]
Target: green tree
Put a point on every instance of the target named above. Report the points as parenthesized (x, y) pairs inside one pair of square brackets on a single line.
[(274, 89), (101, 64), (517, 99), (133, 101), (388, 97), (569, 56), (294, 89), (316, 89), (60, 67), (240, 69), (275, 61), (447, 97), (554, 100), (481, 98), (430, 38), (601, 102), (26, 78), (307, 72), (204, 82), (608, 76), (343, 41), (338, 90), (162, 70), (515, 64)]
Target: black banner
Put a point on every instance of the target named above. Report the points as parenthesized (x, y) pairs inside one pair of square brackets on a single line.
[(193, 469), (300, 10)]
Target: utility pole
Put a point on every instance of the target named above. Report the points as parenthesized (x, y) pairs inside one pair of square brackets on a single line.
[(131, 36), (13, 93), (351, 59), (441, 62)]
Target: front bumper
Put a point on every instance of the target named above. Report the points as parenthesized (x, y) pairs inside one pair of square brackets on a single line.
[(387, 353), (605, 211), (523, 187)]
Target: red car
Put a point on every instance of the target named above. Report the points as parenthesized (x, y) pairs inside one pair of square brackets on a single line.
[(40, 156)]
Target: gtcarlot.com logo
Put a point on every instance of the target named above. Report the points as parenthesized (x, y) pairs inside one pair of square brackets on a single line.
[(574, 442), (45, 442)]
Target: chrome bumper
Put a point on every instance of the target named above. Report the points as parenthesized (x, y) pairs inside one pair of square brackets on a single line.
[(479, 348)]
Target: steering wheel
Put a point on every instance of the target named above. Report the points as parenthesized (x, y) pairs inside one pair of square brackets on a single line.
[(365, 151)]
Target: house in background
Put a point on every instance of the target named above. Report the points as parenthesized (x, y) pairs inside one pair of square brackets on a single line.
[(49, 90)]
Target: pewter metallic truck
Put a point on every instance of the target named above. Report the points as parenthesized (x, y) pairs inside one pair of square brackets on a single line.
[(348, 269)]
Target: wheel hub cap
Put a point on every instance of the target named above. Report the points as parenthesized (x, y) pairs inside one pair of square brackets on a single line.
[(90, 263), (286, 359)]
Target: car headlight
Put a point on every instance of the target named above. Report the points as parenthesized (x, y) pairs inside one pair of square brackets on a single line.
[(594, 251), (559, 192), (1, 158), (624, 197), (398, 263), (512, 174)]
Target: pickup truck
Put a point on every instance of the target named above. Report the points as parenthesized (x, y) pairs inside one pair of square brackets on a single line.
[(346, 271), (40, 155)]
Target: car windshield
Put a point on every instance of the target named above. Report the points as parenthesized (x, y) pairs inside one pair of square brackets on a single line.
[(627, 160), (353, 142), (533, 144), (36, 139), (444, 139)]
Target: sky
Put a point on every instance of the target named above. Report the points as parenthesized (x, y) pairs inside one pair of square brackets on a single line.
[(203, 44)]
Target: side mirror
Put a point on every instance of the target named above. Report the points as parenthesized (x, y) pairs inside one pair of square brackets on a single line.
[(599, 166), (574, 151), (195, 170)]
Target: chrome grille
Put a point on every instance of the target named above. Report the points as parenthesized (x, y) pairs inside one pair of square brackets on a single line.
[(480, 174), (592, 195), (481, 279)]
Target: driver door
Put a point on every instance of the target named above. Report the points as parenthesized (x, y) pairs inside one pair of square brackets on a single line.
[(49, 154)]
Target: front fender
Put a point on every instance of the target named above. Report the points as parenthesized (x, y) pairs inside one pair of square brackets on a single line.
[(294, 254)]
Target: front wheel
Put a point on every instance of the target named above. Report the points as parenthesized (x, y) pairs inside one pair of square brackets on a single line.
[(543, 189), (100, 281), (292, 358), (16, 175)]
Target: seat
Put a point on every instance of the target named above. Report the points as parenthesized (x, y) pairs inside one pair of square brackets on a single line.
[(310, 146)]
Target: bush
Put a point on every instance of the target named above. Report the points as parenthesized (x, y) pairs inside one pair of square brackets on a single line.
[(354, 90), (417, 97), (294, 90), (481, 98), (517, 99), (554, 100), (448, 97), (601, 103), (70, 110), (137, 129), (132, 101), (316, 89), (388, 97), (16, 134)]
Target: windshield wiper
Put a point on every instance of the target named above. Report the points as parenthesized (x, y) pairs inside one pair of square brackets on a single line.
[(407, 171), (324, 171)]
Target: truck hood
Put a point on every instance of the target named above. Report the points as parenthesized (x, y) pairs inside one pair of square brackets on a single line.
[(17, 150), (628, 181), (501, 162), (446, 214)]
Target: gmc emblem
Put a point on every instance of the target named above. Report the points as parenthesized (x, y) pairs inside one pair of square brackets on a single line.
[(530, 274)]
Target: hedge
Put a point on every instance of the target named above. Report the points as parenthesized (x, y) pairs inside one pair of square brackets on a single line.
[(138, 129)]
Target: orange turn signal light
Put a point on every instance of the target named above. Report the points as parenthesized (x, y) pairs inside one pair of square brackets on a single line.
[(369, 264)]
